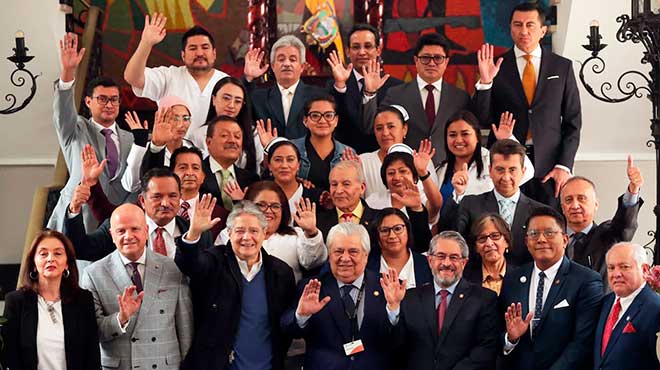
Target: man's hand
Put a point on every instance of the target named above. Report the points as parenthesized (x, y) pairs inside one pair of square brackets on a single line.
[(487, 68), (253, 68), (372, 79), (80, 197), (154, 29), (339, 73), (634, 177), (91, 168), (460, 180), (201, 219), (560, 176), (309, 302), (516, 326), (505, 129), (70, 57), (128, 303), (393, 289), (234, 191), (350, 155)]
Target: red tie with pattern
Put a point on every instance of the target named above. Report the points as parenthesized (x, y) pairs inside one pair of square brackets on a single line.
[(159, 242), (347, 217), (429, 107), (442, 309), (183, 210), (609, 326)]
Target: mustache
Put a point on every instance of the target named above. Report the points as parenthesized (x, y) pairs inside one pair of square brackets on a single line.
[(230, 146), (164, 209)]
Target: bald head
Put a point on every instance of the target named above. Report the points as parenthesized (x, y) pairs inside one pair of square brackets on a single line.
[(128, 228)]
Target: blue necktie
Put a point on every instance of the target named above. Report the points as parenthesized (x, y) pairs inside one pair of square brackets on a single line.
[(538, 307)]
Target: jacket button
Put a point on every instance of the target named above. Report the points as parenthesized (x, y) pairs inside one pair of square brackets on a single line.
[(529, 111), (162, 312), (134, 340), (154, 366), (153, 339), (115, 334)]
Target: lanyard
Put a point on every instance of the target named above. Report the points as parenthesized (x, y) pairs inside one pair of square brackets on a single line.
[(352, 316)]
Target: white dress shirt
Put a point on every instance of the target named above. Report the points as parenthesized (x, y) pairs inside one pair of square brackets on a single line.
[(142, 263), (407, 272), (625, 302), (302, 320), (51, 353), (170, 232), (287, 98), (248, 273), (436, 92)]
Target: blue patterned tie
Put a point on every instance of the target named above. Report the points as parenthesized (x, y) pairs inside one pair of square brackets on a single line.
[(506, 210), (538, 307), (349, 304)]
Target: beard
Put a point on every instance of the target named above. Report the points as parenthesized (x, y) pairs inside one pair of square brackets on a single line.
[(445, 282)]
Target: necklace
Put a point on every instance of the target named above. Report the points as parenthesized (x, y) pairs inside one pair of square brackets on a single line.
[(51, 309)]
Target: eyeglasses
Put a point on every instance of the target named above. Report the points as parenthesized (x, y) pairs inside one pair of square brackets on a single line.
[(547, 233), (493, 236), (103, 100), (437, 59), (385, 231), (181, 118), (358, 47), (316, 116), (275, 207), (454, 258), (226, 98)]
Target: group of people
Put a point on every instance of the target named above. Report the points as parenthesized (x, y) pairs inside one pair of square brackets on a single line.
[(358, 225)]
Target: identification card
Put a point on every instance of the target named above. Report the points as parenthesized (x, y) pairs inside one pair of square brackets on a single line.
[(353, 347)]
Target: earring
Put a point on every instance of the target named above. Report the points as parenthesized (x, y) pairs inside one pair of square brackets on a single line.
[(66, 273), (34, 275)]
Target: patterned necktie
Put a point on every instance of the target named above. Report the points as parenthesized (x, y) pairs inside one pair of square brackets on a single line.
[(347, 217), (159, 242), (111, 153), (507, 210), (286, 106), (135, 276), (349, 304), (429, 107), (226, 199), (183, 210), (538, 306), (442, 309), (529, 85), (576, 240), (609, 325)]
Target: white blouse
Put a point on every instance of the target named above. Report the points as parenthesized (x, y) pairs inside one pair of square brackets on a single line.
[(371, 164), (50, 336), (407, 272)]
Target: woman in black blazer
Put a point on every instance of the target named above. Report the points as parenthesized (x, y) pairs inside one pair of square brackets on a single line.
[(51, 321)]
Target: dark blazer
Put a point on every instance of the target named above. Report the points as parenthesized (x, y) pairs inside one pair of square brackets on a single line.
[(81, 341), (452, 99), (350, 110), (635, 349), (554, 116), (564, 337), (328, 330), (244, 178), (590, 250), (473, 206), (267, 103), (218, 302), (469, 337), (421, 266)]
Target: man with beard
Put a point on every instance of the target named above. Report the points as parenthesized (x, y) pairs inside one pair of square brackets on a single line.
[(461, 316), (193, 81)]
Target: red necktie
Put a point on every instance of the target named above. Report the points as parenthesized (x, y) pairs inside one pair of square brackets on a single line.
[(347, 217), (159, 242), (183, 210), (442, 309), (609, 326), (429, 108)]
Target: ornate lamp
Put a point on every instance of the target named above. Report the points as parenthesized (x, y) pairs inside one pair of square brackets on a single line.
[(20, 58)]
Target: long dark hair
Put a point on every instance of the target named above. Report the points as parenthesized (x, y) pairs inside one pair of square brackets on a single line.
[(69, 288), (256, 188), (389, 211), (244, 119), (450, 162)]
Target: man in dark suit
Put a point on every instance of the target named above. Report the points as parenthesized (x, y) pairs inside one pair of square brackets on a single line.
[(506, 170), (429, 100), (626, 334), (589, 241), (451, 324), (242, 295), (342, 315), (349, 88), (224, 139), (283, 102), (551, 305), (539, 88)]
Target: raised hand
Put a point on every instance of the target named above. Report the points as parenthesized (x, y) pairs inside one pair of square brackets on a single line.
[(340, 73), (423, 155), (70, 57), (488, 69), (393, 289), (309, 302), (305, 183), (350, 155), (133, 121), (129, 303), (560, 176), (634, 176), (234, 191), (201, 219), (154, 29), (372, 79), (266, 132), (91, 168), (410, 196), (163, 130), (80, 196), (325, 200), (305, 216), (461, 179), (516, 325), (253, 68), (505, 129)]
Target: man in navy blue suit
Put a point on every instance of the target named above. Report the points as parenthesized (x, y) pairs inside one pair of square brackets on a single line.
[(551, 305), (342, 315), (626, 334)]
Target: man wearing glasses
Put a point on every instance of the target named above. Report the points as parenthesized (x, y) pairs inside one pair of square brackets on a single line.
[(429, 99), (551, 305), (101, 131)]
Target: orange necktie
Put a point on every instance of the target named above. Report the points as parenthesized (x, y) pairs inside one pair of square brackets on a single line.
[(529, 85)]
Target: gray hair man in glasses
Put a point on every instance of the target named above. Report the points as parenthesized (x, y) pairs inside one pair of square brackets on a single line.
[(551, 304)]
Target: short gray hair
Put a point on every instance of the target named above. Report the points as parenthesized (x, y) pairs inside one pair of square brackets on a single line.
[(349, 229), (246, 207), (351, 165), (639, 254), (288, 40), (450, 235)]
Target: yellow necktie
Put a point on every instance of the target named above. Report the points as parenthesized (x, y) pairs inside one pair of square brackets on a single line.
[(529, 85)]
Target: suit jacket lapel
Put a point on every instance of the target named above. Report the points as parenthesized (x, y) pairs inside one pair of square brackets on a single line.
[(151, 282), (210, 181), (415, 104), (336, 307), (353, 88), (427, 298), (275, 104), (542, 75), (31, 320), (509, 71), (524, 283), (460, 295), (604, 313), (441, 115), (520, 214), (627, 317), (298, 100), (555, 288), (233, 267)]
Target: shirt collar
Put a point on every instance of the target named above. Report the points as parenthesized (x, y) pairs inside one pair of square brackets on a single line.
[(152, 226), (357, 74), (357, 211), (585, 231), (451, 288), (407, 271), (141, 261), (100, 127), (501, 273), (216, 167), (243, 266), (536, 53), (422, 84), (515, 197), (291, 88), (192, 201), (357, 283), (626, 301), (551, 271)]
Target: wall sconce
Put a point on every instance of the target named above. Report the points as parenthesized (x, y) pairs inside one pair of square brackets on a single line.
[(20, 58)]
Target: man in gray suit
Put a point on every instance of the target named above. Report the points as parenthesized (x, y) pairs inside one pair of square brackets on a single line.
[(429, 100), (101, 131), (150, 330)]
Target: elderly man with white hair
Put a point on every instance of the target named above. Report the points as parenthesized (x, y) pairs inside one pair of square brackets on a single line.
[(629, 323), (342, 315), (282, 103)]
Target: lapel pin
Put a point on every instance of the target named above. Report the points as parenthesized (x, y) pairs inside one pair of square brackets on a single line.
[(557, 281), (627, 318), (523, 279), (376, 293), (461, 295)]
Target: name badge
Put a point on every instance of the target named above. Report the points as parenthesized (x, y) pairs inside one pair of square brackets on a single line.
[(353, 347)]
